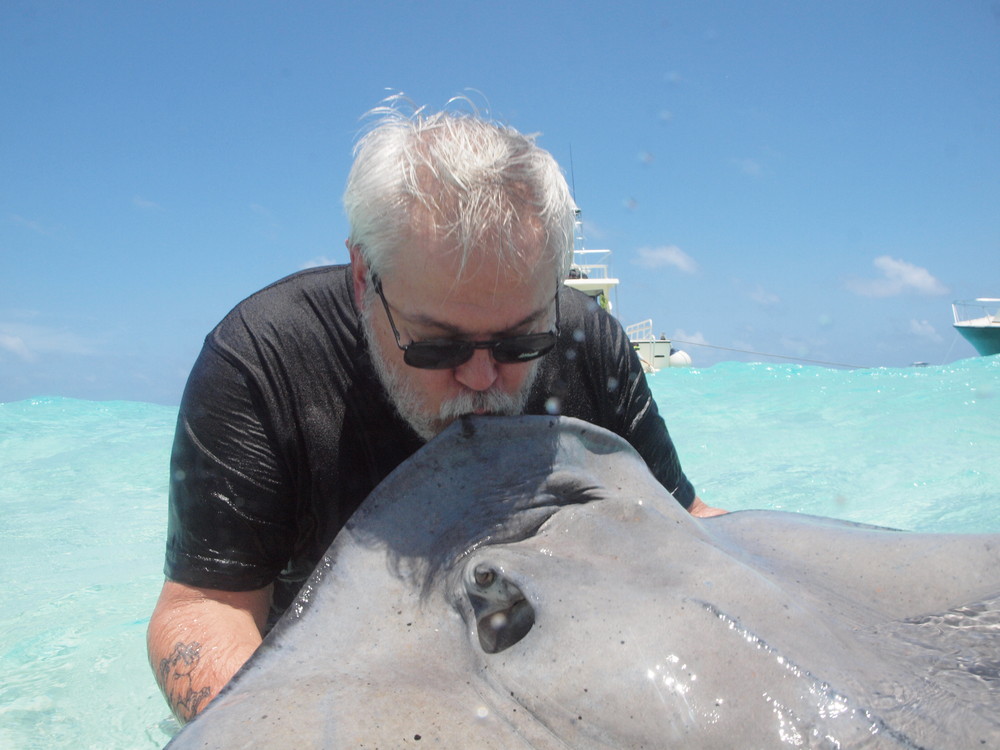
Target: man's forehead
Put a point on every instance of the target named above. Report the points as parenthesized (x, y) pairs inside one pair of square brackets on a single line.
[(519, 245), (485, 301), (496, 261)]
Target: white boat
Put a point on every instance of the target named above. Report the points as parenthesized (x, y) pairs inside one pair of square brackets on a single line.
[(590, 274), (978, 320), (655, 353)]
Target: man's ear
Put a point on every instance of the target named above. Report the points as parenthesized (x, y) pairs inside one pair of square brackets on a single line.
[(359, 273)]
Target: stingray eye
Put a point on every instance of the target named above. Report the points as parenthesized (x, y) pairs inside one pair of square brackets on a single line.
[(484, 576), (503, 614)]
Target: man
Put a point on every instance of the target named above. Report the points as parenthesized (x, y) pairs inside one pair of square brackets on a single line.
[(312, 390)]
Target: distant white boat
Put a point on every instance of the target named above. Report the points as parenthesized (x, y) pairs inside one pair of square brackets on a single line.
[(978, 320), (589, 273), (655, 353)]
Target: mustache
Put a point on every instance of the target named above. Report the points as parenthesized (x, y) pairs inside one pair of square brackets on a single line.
[(491, 402)]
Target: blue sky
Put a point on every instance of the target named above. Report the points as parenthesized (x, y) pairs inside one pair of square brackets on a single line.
[(807, 179)]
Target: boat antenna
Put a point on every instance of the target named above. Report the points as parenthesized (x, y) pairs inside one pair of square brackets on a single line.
[(572, 174)]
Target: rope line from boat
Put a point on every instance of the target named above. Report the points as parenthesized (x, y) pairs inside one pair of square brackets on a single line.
[(776, 356)]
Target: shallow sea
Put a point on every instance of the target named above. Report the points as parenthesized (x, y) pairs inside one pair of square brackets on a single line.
[(83, 496)]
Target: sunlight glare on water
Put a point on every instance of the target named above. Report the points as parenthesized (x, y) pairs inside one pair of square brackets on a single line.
[(83, 499)]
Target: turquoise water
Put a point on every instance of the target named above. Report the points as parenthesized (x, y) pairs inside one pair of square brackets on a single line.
[(913, 448), (83, 488)]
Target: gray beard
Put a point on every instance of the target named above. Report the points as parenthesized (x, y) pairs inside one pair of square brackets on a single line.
[(406, 399)]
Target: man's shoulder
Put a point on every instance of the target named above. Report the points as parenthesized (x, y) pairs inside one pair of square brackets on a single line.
[(585, 324), (326, 281), (593, 351), (297, 299)]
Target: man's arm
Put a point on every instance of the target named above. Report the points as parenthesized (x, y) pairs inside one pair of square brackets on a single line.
[(198, 638)]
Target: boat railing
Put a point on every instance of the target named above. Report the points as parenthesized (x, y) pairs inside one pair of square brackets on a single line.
[(641, 331), (984, 311), (592, 264)]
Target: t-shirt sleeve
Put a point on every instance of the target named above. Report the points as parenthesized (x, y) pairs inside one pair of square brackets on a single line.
[(231, 514), (636, 415), (650, 437)]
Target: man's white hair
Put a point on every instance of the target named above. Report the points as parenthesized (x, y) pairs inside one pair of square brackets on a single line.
[(458, 177)]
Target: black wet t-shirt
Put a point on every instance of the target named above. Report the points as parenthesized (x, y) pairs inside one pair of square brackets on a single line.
[(284, 428)]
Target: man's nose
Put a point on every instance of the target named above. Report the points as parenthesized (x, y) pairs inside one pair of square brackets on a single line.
[(479, 373)]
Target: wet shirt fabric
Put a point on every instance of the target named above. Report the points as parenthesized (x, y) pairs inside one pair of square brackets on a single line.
[(284, 428)]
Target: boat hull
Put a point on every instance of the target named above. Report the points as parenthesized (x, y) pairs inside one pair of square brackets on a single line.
[(984, 339)]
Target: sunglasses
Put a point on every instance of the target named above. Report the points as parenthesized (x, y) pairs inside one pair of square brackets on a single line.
[(446, 354)]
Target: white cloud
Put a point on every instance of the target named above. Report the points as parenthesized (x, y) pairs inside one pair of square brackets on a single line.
[(145, 205), (319, 260), (750, 167), (667, 255), (34, 226), (763, 297), (28, 341), (898, 277), (261, 211), (924, 329), (16, 346), (798, 347), (21, 313), (682, 337)]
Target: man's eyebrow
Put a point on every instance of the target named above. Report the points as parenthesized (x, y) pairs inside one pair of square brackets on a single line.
[(453, 330)]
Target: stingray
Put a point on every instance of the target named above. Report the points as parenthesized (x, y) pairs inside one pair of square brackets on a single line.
[(525, 582)]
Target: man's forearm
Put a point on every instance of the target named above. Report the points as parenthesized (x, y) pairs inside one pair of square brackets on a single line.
[(198, 639)]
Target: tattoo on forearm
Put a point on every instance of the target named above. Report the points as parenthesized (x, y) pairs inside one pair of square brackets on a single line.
[(174, 676)]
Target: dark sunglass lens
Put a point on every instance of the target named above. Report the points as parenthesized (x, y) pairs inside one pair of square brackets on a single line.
[(429, 355), (523, 348), (444, 355)]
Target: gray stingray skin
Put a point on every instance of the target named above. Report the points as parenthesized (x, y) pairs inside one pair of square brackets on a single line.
[(525, 583)]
